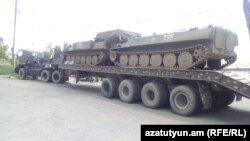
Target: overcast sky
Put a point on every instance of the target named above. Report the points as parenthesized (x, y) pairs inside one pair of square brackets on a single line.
[(40, 22)]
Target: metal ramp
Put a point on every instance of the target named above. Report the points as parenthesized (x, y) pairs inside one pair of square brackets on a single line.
[(241, 76)]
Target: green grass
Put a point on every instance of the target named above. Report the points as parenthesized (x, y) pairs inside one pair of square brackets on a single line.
[(6, 68)]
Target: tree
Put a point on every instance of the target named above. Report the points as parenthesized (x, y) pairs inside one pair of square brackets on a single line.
[(3, 49), (48, 51)]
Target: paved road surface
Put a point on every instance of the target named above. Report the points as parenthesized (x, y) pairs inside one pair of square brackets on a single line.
[(37, 111)]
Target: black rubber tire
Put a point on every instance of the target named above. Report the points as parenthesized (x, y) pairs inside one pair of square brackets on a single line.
[(22, 74), (109, 87), (216, 100), (154, 95), (222, 99), (46, 76), (57, 77), (185, 100), (231, 99), (129, 91)]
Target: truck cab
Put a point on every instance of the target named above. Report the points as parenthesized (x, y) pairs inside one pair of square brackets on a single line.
[(25, 57), (29, 63)]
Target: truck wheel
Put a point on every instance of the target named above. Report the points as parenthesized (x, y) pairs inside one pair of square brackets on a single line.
[(57, 77), (109, 87), (154, 95), (46, 76), (184, 100), (33, 77), (22, 73), (129, 91)]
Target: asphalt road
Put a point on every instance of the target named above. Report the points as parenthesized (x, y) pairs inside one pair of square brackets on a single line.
[(33, 110)]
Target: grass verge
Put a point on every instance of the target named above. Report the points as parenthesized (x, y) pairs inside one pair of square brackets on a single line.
[(6, 68)]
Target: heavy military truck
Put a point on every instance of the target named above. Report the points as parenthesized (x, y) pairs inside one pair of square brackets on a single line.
[(187, 90), (30, 63), (27, 62)]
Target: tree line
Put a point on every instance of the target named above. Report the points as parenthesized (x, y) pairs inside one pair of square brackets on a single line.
[(3, 50)]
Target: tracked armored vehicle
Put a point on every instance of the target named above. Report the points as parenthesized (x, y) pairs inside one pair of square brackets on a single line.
[(196, 48), (96, 52), (210, 48)]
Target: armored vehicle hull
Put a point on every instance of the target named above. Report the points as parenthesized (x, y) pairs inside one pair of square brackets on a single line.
[(208, 48)]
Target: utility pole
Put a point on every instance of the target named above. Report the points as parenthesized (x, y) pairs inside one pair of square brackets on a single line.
[(14, 35)]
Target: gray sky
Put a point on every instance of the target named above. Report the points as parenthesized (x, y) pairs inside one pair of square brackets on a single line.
[(41, 22)]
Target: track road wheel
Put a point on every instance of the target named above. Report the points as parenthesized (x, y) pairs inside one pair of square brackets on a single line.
[(57, 77), (72, 58), (185, 100), (77, 59), (22, 73), (156, 60), (129, 91), (88, 60), (154, 95), (144, 60), (185, 60), (94, 60), (109, 87), (169, 60), (133, 60), (83, 60), (124, 60), (46, 76)]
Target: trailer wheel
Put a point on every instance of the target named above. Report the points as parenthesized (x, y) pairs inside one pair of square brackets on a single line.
[(57, 77), (109, 87), (46, 76), (154, 95), (184, 100), (231, 99), (22, 73), (129, 91), (222, 99)]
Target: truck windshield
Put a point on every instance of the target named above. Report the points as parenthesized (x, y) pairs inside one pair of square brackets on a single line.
[(37, 54)]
